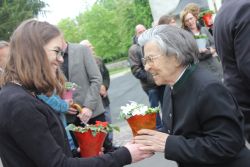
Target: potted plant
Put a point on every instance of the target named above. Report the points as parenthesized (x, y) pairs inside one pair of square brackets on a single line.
[(139, 116), (206, 16), (201, 40), (70, 87), (91, 137)]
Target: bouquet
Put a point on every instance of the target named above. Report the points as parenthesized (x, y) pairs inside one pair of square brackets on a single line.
[(104, 127), (139, 116), (91, 137), (70, 87), (206, 16)]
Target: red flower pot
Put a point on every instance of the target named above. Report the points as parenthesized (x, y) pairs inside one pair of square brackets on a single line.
[(90, 145), (138, 122), (68, 94), (207, 18)]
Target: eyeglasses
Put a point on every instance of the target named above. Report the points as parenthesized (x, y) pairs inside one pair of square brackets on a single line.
[(149, 59), (59, 53)]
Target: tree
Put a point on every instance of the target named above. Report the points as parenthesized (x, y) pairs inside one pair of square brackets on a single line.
[(13, 12), (109, 26), (72, 32)]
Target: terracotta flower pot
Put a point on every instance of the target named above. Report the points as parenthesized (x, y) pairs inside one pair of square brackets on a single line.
[(207, 18), (90, 145), (138, 122), (68, 94)]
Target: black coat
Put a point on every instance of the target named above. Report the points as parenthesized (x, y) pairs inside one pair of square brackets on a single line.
[(231, 33), (31, 135), (204, 123)]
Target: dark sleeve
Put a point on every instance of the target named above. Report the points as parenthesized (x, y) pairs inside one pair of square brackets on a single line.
[(137, 68), (30, 130), (241, 41), (105, 75), (220, 137), (210, 40)]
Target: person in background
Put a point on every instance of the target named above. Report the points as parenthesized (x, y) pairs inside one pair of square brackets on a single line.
[(154, 92), (201, 129), (195, 10), (4, 50), (80, 67), (167, 19), (31, 133), (231, 33), (139, 29), (207, 56), (103, 90)]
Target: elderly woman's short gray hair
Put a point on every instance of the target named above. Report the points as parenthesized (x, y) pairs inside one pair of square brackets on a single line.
[(172, 41)]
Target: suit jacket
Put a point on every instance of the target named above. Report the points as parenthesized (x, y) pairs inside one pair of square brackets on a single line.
[(84, 71), (204, 122)]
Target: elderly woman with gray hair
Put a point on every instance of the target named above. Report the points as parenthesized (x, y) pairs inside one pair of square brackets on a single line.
[(203, 125)]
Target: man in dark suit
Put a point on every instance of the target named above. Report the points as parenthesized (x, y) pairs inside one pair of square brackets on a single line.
[(231, 33)]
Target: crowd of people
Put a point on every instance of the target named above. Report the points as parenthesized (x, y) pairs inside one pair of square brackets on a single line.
[(205, 112)]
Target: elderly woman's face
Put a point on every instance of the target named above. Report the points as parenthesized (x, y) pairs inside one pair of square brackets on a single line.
[(164, 69)]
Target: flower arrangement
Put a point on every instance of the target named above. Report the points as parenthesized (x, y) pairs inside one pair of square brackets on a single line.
[(91, 137), (202, 36), (205, 12), (134, 108), (98, 127), (70, 86)]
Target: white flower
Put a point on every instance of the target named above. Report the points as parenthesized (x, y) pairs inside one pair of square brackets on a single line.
[(134, 108)]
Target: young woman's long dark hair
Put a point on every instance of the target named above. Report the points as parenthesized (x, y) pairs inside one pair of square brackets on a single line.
[(28, 63)]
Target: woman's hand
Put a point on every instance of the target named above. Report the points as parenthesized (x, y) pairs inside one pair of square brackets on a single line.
[(136, 153), (151, 140)]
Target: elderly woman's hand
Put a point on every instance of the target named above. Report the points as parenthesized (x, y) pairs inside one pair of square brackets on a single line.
[(152, 140)]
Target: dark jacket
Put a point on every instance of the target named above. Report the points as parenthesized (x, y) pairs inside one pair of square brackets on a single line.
[(231, 31), (105, 79), (137, 68), (204, 122), (31, 135)]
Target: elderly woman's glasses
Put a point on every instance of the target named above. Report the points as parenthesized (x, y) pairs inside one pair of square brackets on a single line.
[(149, 59), (59, 53)]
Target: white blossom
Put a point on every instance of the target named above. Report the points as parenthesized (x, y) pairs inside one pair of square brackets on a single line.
[(134, 108)]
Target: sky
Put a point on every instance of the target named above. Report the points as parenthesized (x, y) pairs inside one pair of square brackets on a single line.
[(59, 9)]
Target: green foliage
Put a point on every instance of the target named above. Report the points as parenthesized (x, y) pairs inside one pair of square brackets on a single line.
[(103, 127), (71, 30), (203, 13), (109, 26), (13, 12)]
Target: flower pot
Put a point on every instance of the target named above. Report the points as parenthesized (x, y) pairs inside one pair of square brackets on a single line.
[(207, 18), (90, 145), (68, 94), (138, 122), (201, 42)]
